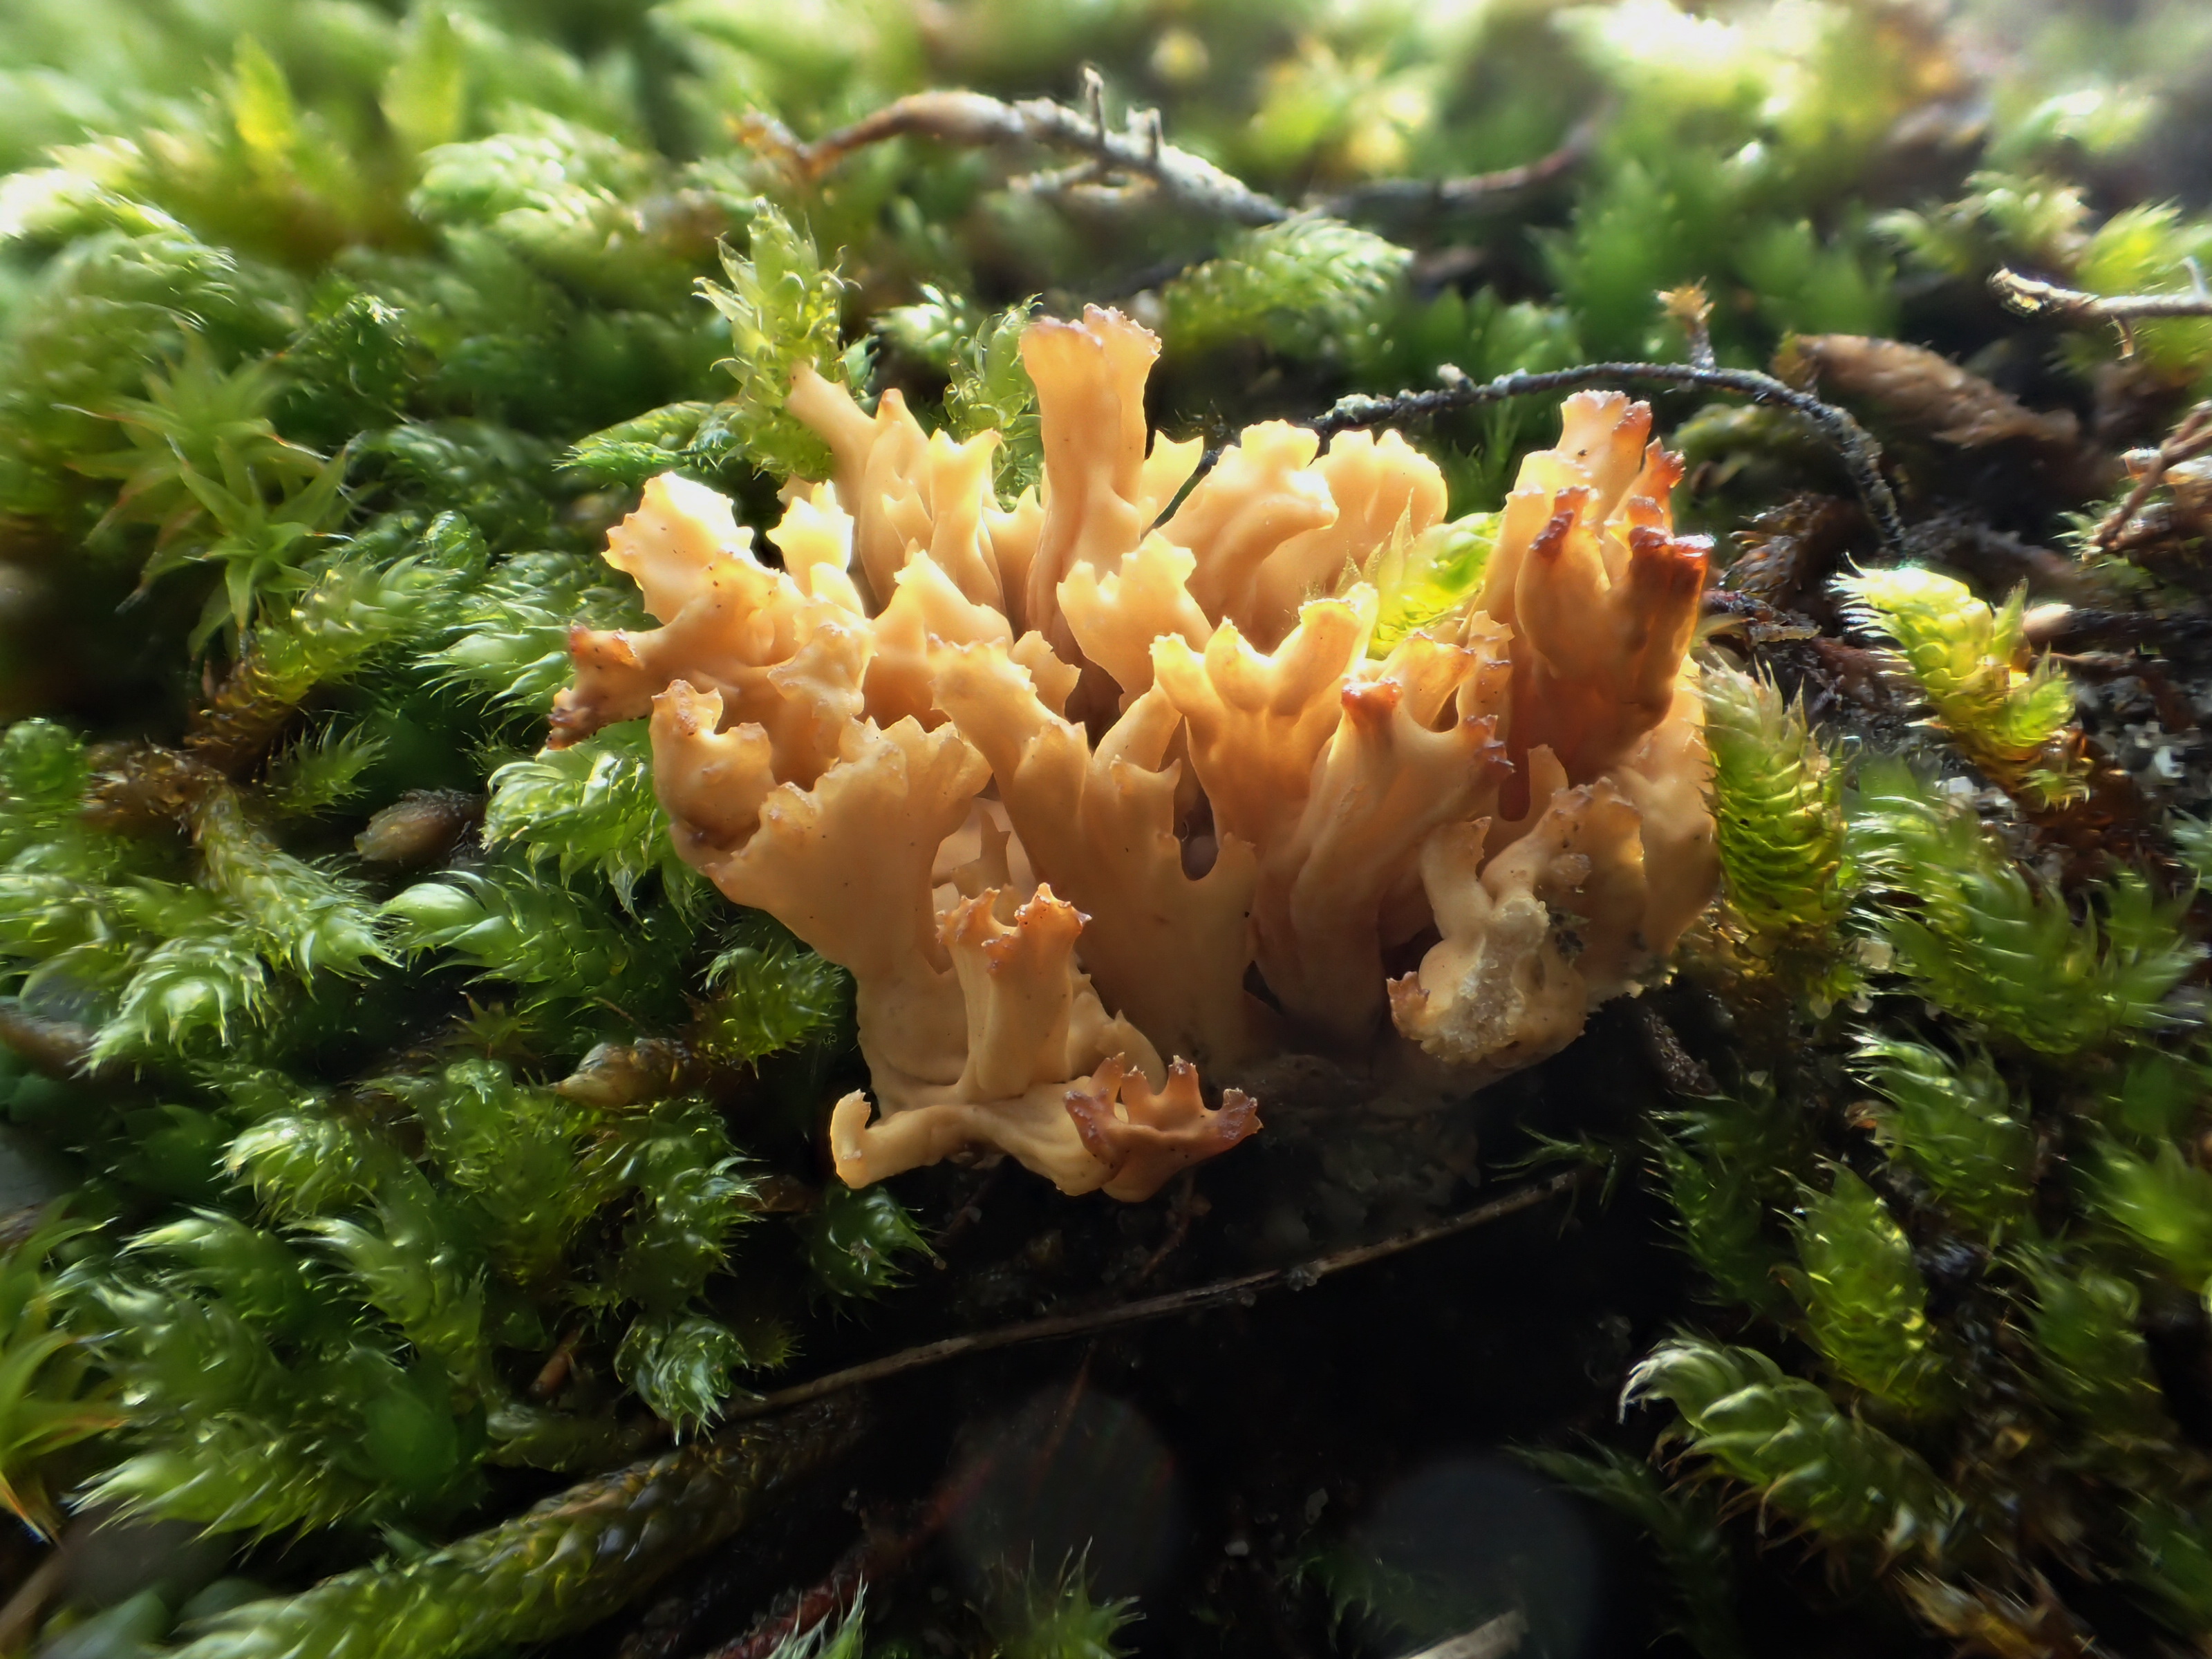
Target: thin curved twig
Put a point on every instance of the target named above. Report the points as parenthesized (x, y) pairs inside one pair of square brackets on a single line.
[(2064, 628), (1861, 455), (1137, 148), (1398, 197), (2028, 296), (1138, 151), (1300, 1276)]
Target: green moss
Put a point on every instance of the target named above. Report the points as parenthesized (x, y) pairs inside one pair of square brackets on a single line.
[(590, 807), (1865, 1302), (1784, 1437), (345, 332), (855, 1241), (47, 1399), (1778, 823), (1967, 660), (1956, 1125), (1298, 284), (1997, 948), (782, 302)]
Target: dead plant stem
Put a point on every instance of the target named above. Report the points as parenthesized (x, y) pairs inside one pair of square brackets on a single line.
[(1137, 150)]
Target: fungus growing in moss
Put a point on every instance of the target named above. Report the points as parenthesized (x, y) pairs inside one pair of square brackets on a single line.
[(1070, 786)]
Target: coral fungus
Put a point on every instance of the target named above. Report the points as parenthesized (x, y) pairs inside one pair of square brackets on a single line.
[(1074, 785)]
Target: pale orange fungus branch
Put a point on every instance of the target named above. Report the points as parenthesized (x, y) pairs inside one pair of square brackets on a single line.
[(1069, 787)]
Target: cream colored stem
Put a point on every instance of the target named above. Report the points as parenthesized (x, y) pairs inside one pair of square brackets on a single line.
[(2030, 298)]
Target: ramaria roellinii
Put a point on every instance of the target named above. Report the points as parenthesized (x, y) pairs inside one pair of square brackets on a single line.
[(1073, 786)]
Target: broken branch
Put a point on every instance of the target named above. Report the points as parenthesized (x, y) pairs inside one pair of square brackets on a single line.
[(1439, 197), (2026, 296), (1138, 151)]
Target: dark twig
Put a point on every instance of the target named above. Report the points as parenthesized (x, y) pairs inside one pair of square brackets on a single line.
[(1301, 1276), (1137, 153), (967, 1216), (1862, 456), (1186, 1206), (2192, 438), (1135, 150), (1997, 559), (1439, 197), (2027, 297), (2074, 628)]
